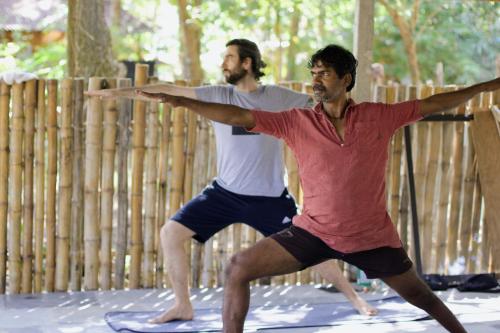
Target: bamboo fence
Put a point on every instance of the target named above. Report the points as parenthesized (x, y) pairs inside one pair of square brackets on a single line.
[(69, 221)]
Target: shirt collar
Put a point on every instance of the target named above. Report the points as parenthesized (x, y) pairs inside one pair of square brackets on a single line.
[(318, 108)]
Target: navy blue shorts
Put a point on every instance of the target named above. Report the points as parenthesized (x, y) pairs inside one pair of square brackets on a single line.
[(216, 208)]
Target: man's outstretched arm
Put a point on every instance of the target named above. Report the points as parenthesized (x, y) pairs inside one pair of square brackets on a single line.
[(450, 100), (130, 92), (222, 113)]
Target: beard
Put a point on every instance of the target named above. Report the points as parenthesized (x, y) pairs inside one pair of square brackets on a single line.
[(236, 76), (320, 93)]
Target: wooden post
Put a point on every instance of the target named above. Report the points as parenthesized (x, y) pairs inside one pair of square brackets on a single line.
[(65, 186), (161, 214), (93, 152), (151, 184), (15, 188), (107, 188), (40, 185), (76, 241), (124, 116), (4, 180), (50, 256), (138, 133), (473, 241)]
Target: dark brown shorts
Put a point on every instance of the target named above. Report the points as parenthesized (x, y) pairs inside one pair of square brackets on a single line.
[(310, 250)]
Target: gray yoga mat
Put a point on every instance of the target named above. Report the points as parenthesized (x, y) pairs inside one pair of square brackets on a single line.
[(391, 309)]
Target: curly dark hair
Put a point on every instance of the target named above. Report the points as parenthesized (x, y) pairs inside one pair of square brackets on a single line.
[(248, 49), (338, 58)]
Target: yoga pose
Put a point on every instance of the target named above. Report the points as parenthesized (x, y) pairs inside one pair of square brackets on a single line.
[(342, 151), (249, 187)]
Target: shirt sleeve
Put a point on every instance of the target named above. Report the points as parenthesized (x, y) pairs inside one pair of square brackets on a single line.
[(293, 99), (213, 94), (401, 114), (278, 124)]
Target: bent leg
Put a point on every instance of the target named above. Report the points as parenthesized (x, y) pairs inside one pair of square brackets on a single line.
[(415, 291), (266, 258), (173, 236), (331, 272)]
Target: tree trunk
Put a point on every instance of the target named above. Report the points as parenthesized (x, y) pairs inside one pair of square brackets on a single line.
[(89, 40), (190, 32), (407, 32)]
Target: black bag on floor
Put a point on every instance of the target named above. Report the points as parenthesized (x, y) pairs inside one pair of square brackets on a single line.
[(479, 282)]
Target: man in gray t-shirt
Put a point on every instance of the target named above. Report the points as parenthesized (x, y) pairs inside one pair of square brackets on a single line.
[(249, 187)]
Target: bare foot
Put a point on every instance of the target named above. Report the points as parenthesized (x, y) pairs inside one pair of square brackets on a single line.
[(364, 308), (176, 312)]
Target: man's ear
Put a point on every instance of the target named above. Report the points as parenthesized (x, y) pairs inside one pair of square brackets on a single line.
[(347, 79), (247, 63)]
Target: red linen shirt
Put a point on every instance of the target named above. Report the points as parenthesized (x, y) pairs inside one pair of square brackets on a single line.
[(343, 181)]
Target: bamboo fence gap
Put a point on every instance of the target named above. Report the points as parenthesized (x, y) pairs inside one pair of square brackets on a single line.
[(138, 142), (110, 117), (65, 186), (76, 238), (4, 179), (124, 118)]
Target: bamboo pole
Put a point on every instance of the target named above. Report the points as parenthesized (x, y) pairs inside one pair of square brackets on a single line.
[(15, 188), (4, 180), (484, 247), (76, 241), (93, 152), (161, 214), (473, 237), (430, 192), (65, 186), (29, 136), (50, 216), (454, 224), (200, 181), (151, 165), (442, 237), (138, 133), (124, 115), (40, 186), (110, 117)]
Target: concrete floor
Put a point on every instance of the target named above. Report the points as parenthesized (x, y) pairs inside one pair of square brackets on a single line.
[(83, 312)]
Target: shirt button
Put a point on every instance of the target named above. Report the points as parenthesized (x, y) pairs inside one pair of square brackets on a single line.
[(341, 145)]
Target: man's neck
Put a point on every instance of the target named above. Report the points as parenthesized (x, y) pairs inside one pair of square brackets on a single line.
[(247, 84), (336, 109)]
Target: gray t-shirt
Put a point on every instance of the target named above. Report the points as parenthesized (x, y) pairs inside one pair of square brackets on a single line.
[(250, 163)]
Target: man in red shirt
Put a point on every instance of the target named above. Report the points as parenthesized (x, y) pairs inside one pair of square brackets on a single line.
[(342, 150)]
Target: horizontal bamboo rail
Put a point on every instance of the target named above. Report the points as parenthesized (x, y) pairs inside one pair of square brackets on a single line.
[(65, 219)]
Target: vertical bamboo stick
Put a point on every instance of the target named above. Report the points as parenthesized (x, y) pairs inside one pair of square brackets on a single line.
[(444, 196), (50, 216), (161, 214), (124, 115), (484, 247), (4, 180), (93, 155), (107, 188), (29, 135), (200, 181), (40, 185), (473, 241), (430, 190), (15, 188), (138, 134), (454, 224), (151, 182), (76, 241), (65, 186)]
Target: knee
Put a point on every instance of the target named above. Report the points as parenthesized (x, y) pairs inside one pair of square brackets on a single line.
[(236, 269), (169, 236)]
